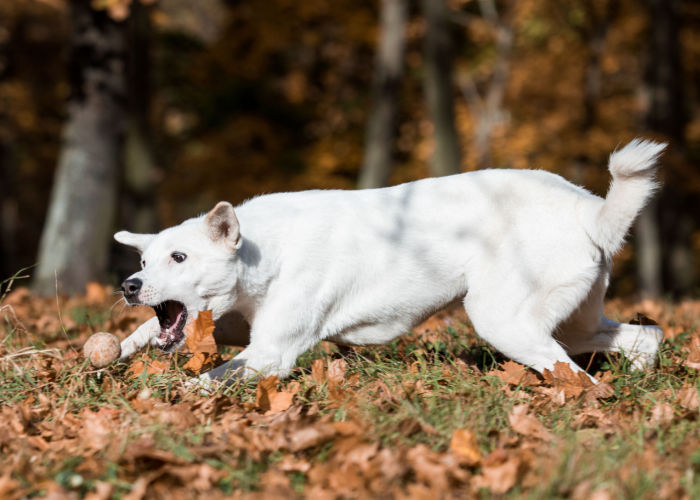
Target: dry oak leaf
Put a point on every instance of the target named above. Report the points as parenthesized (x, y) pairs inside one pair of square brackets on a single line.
[(464, 445), (98, 427), (562, 377), (514, 373), (336, 372), (269, 400), (318, 370), (499, 472), (8, 485), (199, 337), (310, 436), (693, 359), (688, 398), (138, 366), (103, 491), (527, 425)]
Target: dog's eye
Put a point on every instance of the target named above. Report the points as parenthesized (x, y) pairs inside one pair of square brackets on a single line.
[(178, 256), (143, 264)]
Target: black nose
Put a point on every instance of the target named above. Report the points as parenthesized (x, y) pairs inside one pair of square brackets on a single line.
[(131, 287)]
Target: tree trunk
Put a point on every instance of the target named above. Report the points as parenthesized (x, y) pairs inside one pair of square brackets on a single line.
[(595, 33), (438, 87), (76, 236), (649, 252), (139, 156), (488, 108), (379, 141), (665, 115)]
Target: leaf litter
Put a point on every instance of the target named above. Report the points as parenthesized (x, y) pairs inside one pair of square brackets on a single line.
[(435, 414)]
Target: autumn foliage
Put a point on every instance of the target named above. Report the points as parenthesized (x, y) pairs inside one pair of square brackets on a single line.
[(435, 414)]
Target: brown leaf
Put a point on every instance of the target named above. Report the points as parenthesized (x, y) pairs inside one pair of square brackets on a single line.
[(138, 366), (662, 414), (562, 377), (427, 468), (513, 373), (103, 491), (7, 485), (200, 334), (308, 437), (138, 490), (269, 400), (98, 427), (336, 372), (464, 445), (96, 294), (499, 472), (200, 341), (178, 415), (527, 425), (318, 370), (688, 398), (693, 358), (196, 362)]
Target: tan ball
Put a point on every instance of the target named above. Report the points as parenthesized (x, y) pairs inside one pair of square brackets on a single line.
[(102, 348)]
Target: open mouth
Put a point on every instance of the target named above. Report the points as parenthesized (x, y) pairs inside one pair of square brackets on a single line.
[(172, 316)]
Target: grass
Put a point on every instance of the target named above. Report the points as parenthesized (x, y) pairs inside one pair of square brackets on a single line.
[(70, 428)]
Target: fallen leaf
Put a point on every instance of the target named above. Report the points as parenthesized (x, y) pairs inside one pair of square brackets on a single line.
[(200, 341), (7, 485), (499, 472), (464, 445), (427, 468), (513, 373), (138, 366), (200, 334), (96, 294), (562, 377), (269, 400), (662, 414), (98, 427), (308, 437), (336, 372), (693, 358), (527, 425), (318, 370), (688, 398), (103, 491)]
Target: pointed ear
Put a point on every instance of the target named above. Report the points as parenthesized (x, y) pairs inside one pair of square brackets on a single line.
[(222, 225), (134, 240)]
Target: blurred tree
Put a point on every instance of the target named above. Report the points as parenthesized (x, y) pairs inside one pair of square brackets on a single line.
[(139, 155), (76, 237), (32, 91), (381, 125), (439, 87), (487, 106), (664, 114)]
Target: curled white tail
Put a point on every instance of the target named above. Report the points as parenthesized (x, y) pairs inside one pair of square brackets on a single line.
[(633, 170)]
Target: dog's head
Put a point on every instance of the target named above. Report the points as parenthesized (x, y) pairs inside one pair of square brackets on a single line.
[(185, 269)]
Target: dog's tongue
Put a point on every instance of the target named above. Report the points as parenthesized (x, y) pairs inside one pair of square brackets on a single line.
[(172, 317)]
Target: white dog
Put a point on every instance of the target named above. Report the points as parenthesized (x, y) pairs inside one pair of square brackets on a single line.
[(528, 253)]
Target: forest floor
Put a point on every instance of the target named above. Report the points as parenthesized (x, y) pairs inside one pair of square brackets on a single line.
[(435, 414)]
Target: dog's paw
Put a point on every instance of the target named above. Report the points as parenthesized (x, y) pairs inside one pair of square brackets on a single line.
[(643, 355)]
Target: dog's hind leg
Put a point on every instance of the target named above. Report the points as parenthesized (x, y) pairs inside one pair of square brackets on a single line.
[(521, 327), (639, 343), (588, 330)]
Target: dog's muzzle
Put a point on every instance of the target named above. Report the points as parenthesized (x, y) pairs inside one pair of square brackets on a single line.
[(131, 289)]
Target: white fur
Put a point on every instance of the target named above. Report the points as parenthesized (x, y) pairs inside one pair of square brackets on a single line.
[(526, 251)]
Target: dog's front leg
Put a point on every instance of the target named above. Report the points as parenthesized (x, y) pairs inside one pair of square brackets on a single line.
[(144, 334), (273, 349)]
